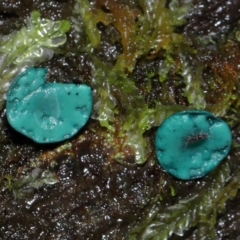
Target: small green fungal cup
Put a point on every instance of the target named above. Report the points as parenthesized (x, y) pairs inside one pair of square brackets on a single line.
[(47, 112), (190, 144)]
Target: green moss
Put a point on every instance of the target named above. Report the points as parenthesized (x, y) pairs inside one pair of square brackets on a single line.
[(30, 46), (153, 31), (89, 18), (120, 106), (37, 178), (198, 211), (199, 77)]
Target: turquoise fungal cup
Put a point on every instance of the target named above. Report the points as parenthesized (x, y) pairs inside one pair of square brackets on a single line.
[(190, 144), (47, 112)]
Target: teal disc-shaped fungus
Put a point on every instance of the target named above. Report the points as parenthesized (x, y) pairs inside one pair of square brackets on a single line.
[(47, 112), (190, 144)]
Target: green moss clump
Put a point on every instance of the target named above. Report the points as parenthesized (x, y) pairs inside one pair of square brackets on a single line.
[(30, 46), (146, 31), (150, 31), (198, 211), (37, 178)]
